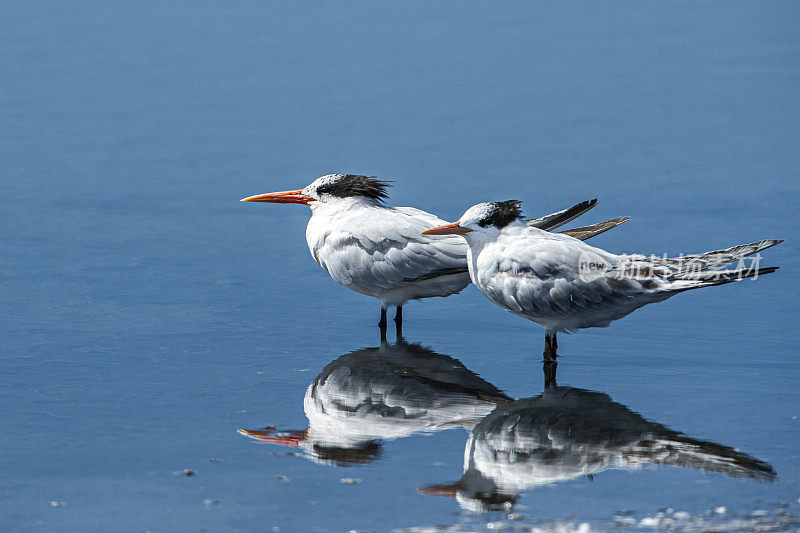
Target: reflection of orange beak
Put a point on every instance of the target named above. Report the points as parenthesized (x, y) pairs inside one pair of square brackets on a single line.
[(447, 229), (283, 197), (270, 434), (450, 490)]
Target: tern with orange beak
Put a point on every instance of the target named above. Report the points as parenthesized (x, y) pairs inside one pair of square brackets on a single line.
[(377, 250), (565, 284)]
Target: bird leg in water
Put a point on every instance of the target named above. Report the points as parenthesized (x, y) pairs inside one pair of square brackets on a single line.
[(398, 319), (550, 346), (382, 325), (549, 367)]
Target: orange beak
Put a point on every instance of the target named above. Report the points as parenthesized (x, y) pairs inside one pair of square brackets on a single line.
[(283, 197), (447, 229)]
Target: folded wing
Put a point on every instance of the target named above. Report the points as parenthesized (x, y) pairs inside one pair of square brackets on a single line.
[(386, 250)]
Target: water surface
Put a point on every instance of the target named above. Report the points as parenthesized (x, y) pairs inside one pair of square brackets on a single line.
[(148, 315)]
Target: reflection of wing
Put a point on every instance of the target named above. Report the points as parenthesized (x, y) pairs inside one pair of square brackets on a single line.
[(568, 433), (403, 361), (394, 391), (384, 393)]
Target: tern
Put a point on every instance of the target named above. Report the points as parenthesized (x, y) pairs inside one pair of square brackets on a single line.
[(567, 433), (565, 284), (377, 250), (375, 395)]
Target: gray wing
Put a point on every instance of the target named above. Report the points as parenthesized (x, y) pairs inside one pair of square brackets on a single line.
[(688, 264), (387, 251), (539, 277), (558, 219), (587, 232)]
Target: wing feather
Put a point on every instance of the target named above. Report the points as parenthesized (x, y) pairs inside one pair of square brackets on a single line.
[(536, 274), (587, 232), (559, 218), (380, 248)]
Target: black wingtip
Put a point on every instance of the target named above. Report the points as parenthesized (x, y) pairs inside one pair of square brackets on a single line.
[(768, 243), (765, 270)]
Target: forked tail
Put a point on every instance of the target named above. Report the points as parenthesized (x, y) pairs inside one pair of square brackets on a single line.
[(717, 258), (702, 270), (686, 452), (721, 277)]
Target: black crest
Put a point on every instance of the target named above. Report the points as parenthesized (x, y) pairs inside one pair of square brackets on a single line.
[(349, 185), (502, 214), (360, 454)]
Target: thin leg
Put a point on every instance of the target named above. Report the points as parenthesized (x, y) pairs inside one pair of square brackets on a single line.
[(382, 325), (382, 328), (550, 365), (398, 321), (549, 368), (550, 346)]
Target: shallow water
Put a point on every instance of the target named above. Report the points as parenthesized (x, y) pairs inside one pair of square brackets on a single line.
[(148, 315)]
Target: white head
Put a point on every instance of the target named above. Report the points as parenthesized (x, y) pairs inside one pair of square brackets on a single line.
[(484, 219), (329, 188)]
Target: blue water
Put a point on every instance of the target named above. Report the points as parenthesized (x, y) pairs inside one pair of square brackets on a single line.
[(147, 314)]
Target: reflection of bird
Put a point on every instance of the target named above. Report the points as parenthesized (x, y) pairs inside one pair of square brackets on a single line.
[(567, 433), (384, 393), (565, 284), (377, 250)]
